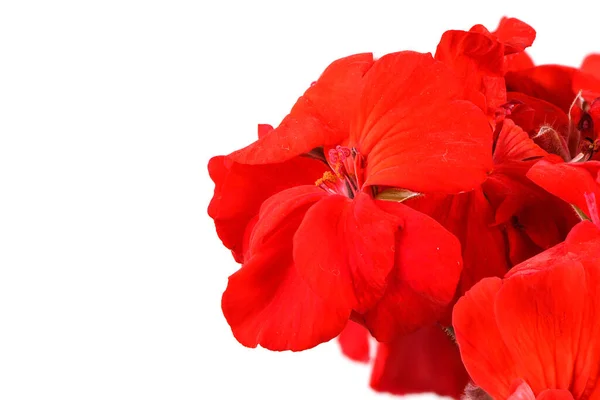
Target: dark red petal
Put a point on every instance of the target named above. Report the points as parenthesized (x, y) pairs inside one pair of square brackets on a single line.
[(344, 250), (516, 35), (266, 302), (539, 327), (543, 218), (321, 117), (568, 181), (426, 361), (579, 238), (545, 114), (552, 83), (411, 128), (354, 341), (241, 189), (482, 348), (514, 144), (423, 282)]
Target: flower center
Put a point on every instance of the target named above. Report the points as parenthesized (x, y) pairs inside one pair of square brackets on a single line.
[(346, 175)]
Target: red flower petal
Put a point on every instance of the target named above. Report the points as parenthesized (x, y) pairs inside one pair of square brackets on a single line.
[(591, 65), (411, 127), (587, 78), (484, 353), (516, 35), (544, 114), (241, 189), (421, 362), (552, 83), (354, 341), (470, 218), (478, 59), (344, 249), (321, 117), (263, 129), (518, 61), (514, 144), (568, 181), (520, 245), (545, 329), (423, 281), (266, 302), (555, 394), (544, 219), (532, 313)]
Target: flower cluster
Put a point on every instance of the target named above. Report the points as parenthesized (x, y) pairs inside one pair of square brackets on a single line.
[(445, 205)]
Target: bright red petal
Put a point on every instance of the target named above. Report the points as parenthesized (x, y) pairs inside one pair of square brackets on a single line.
[(426, 361), (518, 61), (263, 129), (587, 78), (354, 341), (514, 144), (583, 246), (241, 189), (540, 329), (470, 218), (483, 351), (568, 181), (321, 117), (515, 34), (423, 282), (266, 302), (591, 65), (555, 394), (411, 127), (344, 249), (478, 60)]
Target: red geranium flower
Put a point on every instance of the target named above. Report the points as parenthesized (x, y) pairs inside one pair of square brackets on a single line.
[(535, 333), (425, 361), (318, 252), (508, 218)]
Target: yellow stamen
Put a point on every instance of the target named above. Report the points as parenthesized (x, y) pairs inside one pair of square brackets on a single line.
[(328, 176)]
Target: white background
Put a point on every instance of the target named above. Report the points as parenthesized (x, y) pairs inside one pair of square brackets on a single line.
[(110, 270)]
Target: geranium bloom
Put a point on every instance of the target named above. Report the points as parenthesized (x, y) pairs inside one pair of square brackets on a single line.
[(508, 218), (317, 251), (425, 361), (535, 333)]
